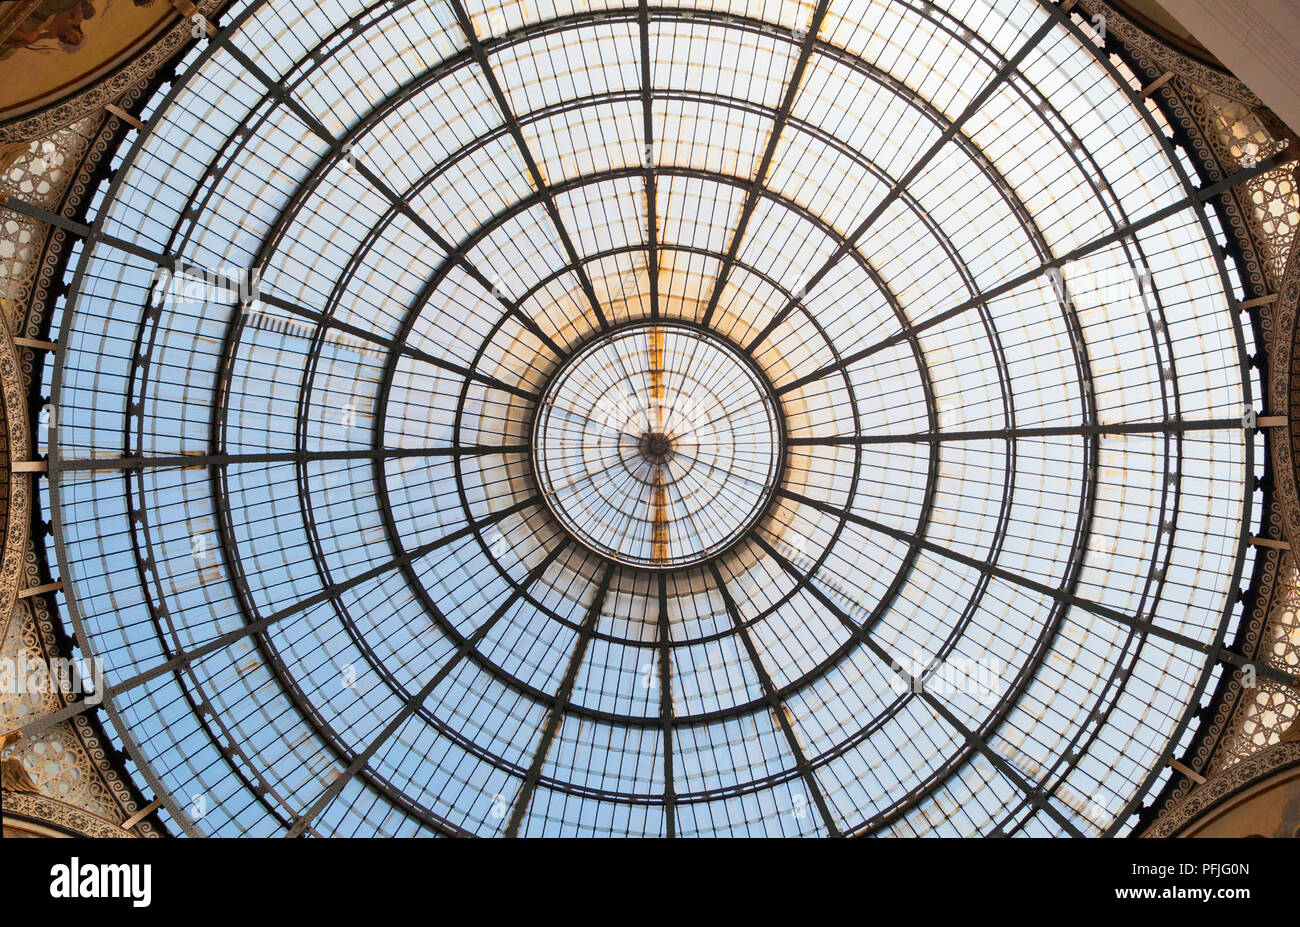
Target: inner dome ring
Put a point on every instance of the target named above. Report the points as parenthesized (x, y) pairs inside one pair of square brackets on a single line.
[(658, 445)]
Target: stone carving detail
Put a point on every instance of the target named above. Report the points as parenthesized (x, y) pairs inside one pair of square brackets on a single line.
[(1263, 718), (51, 813), (57, 760), (1222, 786), (1276, 205), (40, 175), (1219, 115), (1241, 137), (1265, 713), (1213, 732), (1229, 126), (17, 486), (13, 774), (1284, 391), (1160, 57)]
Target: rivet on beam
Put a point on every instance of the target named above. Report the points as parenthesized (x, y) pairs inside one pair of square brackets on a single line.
[(1157, 83), (35, 343), (1187, 771), (29, 466), (124, 115), (1269, 542), (40, 590)]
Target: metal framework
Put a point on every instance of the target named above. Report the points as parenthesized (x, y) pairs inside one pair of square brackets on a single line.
[(303, 528), (658, 445)]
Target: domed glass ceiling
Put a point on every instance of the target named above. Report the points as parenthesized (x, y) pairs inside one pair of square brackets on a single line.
[(657, 446), (329, 505)]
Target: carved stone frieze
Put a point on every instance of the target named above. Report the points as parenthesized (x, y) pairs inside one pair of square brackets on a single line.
[(49, 817), (1223, 786)]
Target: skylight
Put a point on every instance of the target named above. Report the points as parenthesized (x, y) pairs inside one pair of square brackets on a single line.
[(937, 288)]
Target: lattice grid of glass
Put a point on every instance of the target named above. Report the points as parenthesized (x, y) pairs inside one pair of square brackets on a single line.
[(657, 446), (294, 477)]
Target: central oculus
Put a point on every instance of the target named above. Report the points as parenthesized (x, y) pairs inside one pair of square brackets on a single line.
[(658, 445)]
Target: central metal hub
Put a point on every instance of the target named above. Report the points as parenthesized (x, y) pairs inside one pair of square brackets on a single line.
[(658, 445), (656, 448)]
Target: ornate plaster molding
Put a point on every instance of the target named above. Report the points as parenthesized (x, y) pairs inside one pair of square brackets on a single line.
[(59, 173), (50, 814), (1224, 786), (1147, 46), (130, 76), (18, 515), (1284, 392)]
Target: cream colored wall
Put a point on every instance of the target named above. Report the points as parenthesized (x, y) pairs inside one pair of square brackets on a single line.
[(1258, 40)]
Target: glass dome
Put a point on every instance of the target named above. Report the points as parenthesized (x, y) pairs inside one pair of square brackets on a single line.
[(924, 514), (657, 445)]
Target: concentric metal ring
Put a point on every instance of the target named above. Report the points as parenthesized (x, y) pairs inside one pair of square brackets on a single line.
[(658, 445), (963, 474)]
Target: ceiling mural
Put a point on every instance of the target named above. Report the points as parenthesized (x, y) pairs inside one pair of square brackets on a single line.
[(61, 46)]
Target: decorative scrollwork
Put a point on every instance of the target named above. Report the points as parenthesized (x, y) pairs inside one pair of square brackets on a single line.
[(1224, 786), (46, 813), (90, 101), (70, 763), (17, 515)]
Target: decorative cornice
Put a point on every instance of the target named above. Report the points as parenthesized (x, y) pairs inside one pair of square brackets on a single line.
[(1219, 742), (1283, 395), (130, 76), (1205, 104), (17, 518), (1147, 49), (1158, 53), (103, 781), (63, 818), (1224, 786)]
